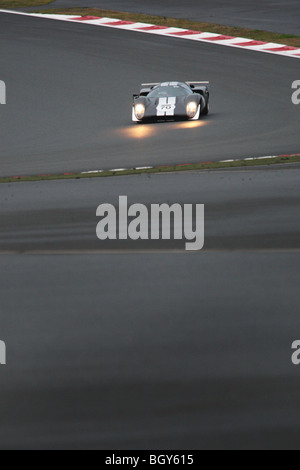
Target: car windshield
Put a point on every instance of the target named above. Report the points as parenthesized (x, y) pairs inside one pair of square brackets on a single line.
[(166, 91)]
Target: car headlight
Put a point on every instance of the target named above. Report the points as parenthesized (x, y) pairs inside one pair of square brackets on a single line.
[(139, 110), (191, 109)]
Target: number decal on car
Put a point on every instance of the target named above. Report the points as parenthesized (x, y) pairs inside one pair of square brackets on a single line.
[(166, 107)]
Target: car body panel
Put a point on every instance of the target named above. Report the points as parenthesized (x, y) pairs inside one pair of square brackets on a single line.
[(168, 101)]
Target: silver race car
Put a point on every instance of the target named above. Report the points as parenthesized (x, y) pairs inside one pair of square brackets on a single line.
[(170, 101)]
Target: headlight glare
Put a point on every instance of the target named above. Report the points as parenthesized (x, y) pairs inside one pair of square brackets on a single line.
[(191, 109), (139, 110)]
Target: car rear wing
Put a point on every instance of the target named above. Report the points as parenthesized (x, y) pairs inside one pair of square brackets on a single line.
[(146, 88), (203, 83), (149, 85)]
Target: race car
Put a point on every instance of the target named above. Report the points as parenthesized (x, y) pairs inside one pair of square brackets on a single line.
[(170, 101)]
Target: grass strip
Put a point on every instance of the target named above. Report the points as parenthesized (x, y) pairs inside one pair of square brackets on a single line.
[(23, 3), (156, 170), (258, 35)]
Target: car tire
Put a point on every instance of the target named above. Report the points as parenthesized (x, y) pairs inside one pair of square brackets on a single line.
[(205, 110)]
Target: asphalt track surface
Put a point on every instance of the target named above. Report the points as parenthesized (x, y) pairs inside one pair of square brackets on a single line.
[(271, 15), (245, 209), (152, 350), (69, 97), (159, 349)]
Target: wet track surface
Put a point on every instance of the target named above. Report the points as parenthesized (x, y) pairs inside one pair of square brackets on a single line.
[(279, 16), (139, 346)]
